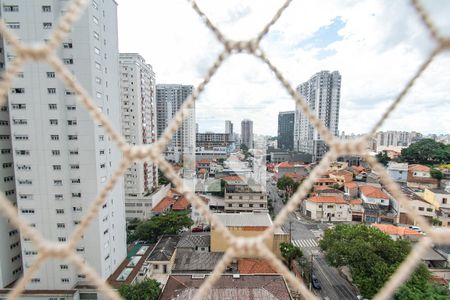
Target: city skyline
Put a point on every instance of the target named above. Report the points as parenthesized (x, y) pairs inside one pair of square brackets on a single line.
[(374, 67)]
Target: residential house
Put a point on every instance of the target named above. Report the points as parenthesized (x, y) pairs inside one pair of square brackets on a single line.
[(236, 286), (195, 241), (421, 207), (440, 198), (255, 266), (351, 189), (203, 164), (196, 262), (327, 208), (325, 181), (373, 195), (398, 171), (162, 258), (357, 210), (341, 176), (419, 177), (245, 198), (374, 213), (397, 232), (292, 168)]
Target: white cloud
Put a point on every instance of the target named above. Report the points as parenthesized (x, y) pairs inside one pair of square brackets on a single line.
[(383, 43)]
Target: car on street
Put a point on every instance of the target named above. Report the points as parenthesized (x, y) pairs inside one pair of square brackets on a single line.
[(315, 282), (197, 229)]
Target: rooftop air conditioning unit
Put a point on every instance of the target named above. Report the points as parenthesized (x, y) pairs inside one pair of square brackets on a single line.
[(236, 276)]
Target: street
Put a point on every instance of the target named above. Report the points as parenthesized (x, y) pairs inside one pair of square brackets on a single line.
[(305, 234)]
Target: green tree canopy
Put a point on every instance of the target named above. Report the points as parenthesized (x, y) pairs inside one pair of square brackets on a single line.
[(290, 252), (383, 158), (435, 173), (167, 223), (148, 289), (373, 257), (426, 151)]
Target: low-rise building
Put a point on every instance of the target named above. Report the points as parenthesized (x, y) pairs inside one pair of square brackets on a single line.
[(398, 171), (421, 207), (373, 195), (236, 286), (245, 197), (327, 208), (351, 189), (291, 168), (437, 197), (341, 176), (162, 258), (419, 177), (397, 232)]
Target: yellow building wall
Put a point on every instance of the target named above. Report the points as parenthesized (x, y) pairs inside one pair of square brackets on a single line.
[(219, 244), (430, 197)]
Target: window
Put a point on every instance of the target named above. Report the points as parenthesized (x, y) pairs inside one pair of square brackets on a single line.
[(3, 122), (22, 152), (4, 137), (35, 280), (46, 8), (74, 167), (96, 51), (56, 152), (71, 107), (13, 25), (52, 106), (102, 166), (71, 122), (98, 66), (20, 122), (61, 239), (67, 45), (51, 75), (60, 225), (65, 280), (63, 267), (59, 197), (444, 200), (11, 8), (96, 36), (78, 180), (7, 165), (21, 137), (54, 137), (421, 208), (68, 61), (56, 167), (94, 4), (73, 137), (76, 195), (24, 167), (24, 181), (17, 90), (53, 122), (95, 20), (101, 138), (73, 152), (18, 106), (47, 25), (51, 90), (59, 211), (68, 92), (27, 211), (330, 206), (98, 80), (429, 209)]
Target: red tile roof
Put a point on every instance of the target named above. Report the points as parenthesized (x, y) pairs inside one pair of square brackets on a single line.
[(163, 205), (347, 175), (287, 164), (420, 168), (326, 199), (255, 266), (358, 169), (351, 185), (232, 178), (395, 230), (373, 192), (181, 204), (295, 176), (356, 202), (325, 180)]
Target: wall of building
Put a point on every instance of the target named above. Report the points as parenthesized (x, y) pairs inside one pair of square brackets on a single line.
[(219, 244)]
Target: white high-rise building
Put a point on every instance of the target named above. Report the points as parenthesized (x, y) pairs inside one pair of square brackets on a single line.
[(10, 253), (169, 98), (137, 92), (322, 93), (247, 133), (62, 157)]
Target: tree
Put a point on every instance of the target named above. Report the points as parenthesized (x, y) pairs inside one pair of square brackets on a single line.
[(436, 173), (372, 257), (285, 182), (436, 222), (162, 180), (149, 289), (383, 158), (290, 252), (426, 151), (167, 223)]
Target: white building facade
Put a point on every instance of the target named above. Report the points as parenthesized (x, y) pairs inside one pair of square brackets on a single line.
[(137, 92), (62, 157), (322, 93)]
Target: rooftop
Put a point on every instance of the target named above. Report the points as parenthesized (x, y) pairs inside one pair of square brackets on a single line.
[(287, 164), (440, 191), (251, 287), (195, 239), (327, 199), (196, 261), (165, 248), (351, 185), (417, 167), (373, 192), (255, 266), (245, 219), (181, 204), (162, 206), (396, 230)]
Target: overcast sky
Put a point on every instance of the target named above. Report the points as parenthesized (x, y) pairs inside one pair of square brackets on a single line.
[(375, 45)]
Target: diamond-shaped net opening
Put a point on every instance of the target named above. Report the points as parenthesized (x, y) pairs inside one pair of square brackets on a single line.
[(238, 246)]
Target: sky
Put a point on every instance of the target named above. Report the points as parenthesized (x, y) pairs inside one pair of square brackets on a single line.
[(375, 45)]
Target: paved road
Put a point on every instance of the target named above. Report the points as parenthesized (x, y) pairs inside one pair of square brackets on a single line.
[(305, 234)]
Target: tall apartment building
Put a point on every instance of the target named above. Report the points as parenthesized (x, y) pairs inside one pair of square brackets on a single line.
[(396, 138), (62, 157), (229, 129), (247, 133), (10, 253), (137, 92), (286, 130), (322, 93), (169, 98)]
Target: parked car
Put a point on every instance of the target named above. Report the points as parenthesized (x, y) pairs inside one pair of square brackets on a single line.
[(197, 229), (207, 228), (315, 282)]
